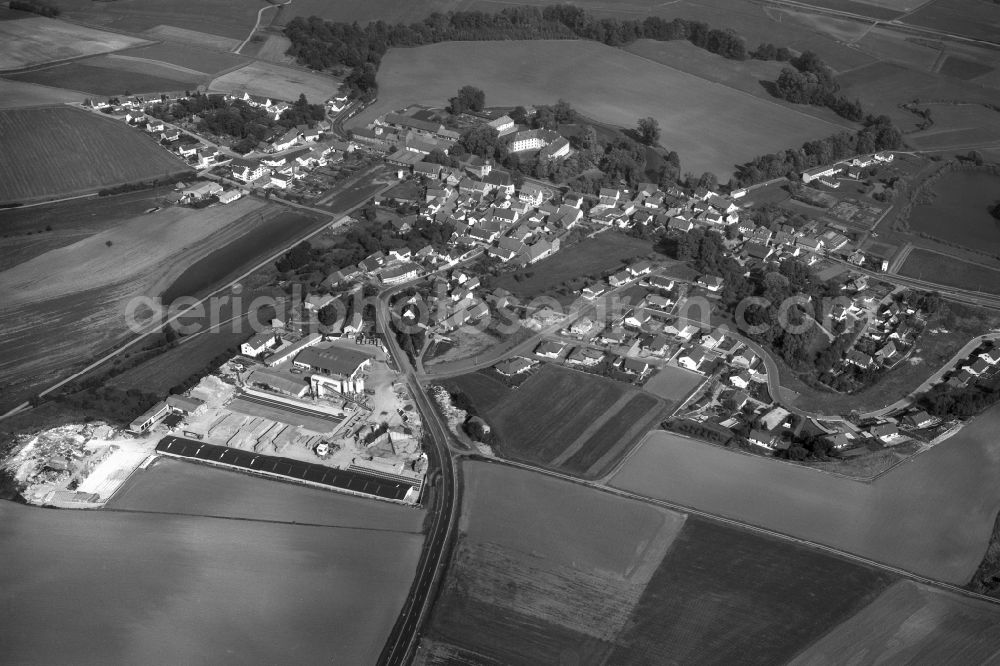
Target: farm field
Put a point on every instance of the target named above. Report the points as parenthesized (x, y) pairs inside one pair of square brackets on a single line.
[(561, 573), (208, 578), (38, 40), (617, 87), (18, 94), (55, 321), (188, 56), (960, 210), (61, 151), (275, 81), (883, 86), (958, 126), (590, 257), (723, 595), (29, 232), (109, 78), (944, 269), (953, 629), (979, 20), (227, 18), (942, 503), (566, 420), (673, 383), (552, 568)]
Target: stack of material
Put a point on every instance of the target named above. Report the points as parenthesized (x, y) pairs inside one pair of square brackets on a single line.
[(287, 436)]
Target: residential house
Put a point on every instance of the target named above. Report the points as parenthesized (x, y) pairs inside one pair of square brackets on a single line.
[(259, 343), (585, 356), (919, 419), (514, 366), (763, 438), (692, 358), (712, 283), (549, 349)]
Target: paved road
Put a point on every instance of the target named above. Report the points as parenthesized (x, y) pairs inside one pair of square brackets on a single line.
[(437, 547)]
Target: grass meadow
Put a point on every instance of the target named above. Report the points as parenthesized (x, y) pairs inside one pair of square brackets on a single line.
[(60, 151), (582, 263), (711, 126)]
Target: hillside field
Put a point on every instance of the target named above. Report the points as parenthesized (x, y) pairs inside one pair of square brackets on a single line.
[(38, 40), (711, 126), (227, 18), (564, 419), (61, 151), (110, 78), (277, 82)]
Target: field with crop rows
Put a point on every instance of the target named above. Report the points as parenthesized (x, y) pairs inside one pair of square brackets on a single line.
[(277, 82), (62, 151), (564, 419)]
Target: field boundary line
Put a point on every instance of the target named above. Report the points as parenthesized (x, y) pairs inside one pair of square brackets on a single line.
[(632, 442), (682, 508)]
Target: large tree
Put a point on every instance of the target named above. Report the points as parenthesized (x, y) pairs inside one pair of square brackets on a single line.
[(649, 131), (469, 98)]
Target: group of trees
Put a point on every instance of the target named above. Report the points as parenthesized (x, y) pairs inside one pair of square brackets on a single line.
[(949, 403), (877, 134), (323, 45), (247, 124), (35, 7), (810, 81), (469, 98)]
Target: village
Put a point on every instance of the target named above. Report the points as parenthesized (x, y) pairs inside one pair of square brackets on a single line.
[(500, 221)]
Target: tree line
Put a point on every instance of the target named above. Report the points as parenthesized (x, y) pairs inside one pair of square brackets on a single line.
[(877, 134), (323, 45)]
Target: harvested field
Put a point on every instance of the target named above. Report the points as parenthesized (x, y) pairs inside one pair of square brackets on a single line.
[(29, 232), (942, 503), (193, 37), (277, 82), (273, 49), (38, 40), (187, 55), (673, 383), (912, 623), (724, 596), (708, 125), (108, 78), (571, 421), (892, 46), (947, 270), (18, 94), (231, 19), (607, 251), (551, 567), (193, 573), (63, 151), (56, 321)]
